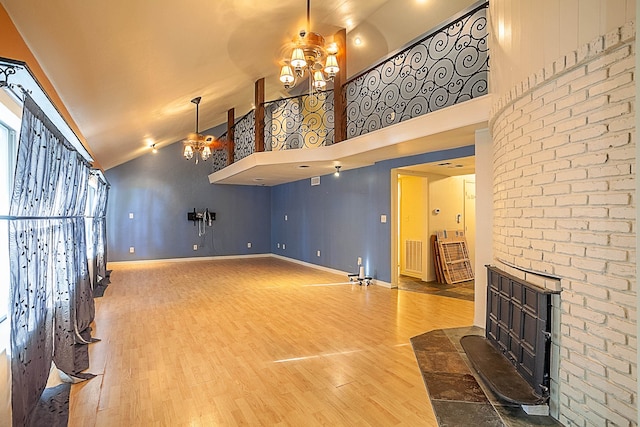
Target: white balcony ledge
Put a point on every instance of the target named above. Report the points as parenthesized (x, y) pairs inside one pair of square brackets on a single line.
[(451, 127)]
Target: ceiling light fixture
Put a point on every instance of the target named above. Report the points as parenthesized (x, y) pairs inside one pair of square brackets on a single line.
[(197, 145), (153, 148), (337, 172), (310, 53)]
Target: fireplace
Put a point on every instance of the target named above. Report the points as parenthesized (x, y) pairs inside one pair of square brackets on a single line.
[(514, 356)]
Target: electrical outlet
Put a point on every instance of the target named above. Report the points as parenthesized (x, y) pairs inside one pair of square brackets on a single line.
[(278, 245), (284, 246), (130, 215), (383, 218), (359, 260), (249, 244), (132, 250), (286, 218), (195, 247), (318, 253)]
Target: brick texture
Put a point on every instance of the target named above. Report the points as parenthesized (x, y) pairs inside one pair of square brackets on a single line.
[(564, 204)]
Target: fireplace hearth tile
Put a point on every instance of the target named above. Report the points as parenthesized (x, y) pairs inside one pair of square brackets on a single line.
[(456, 387), (434, 341), (456, 414), (441, 362), (514, 416), (458, 396)]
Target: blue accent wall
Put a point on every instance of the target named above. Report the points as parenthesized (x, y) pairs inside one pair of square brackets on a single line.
[(340, 217), (159, 189)]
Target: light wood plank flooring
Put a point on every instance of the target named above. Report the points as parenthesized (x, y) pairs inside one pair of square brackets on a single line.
[(256, 341)]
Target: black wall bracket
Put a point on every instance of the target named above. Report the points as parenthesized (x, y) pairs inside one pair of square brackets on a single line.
[(205, 215)]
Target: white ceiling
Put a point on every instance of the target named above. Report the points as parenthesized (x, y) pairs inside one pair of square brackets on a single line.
[(126, 70)]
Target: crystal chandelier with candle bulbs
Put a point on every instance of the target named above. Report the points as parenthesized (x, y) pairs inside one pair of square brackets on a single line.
[(310, 54)]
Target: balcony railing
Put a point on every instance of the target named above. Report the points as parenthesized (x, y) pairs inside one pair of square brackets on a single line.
[(444, 67), (304, 121), (243, 141), (244, 136), (220, 158)]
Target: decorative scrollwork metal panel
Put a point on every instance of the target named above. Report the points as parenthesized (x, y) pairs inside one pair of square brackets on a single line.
[(220, 157), (6, 71), (305, 121), (244, 136), (446, 67)]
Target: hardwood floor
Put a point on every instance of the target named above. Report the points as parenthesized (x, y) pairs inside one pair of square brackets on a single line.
[(256, 342)]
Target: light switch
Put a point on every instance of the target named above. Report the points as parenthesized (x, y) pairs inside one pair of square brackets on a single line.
[(383, 219)]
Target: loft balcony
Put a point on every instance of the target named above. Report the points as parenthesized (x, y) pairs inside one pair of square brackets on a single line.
[(428, 96)]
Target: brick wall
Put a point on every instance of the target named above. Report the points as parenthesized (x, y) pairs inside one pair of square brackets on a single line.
[(564, 204)]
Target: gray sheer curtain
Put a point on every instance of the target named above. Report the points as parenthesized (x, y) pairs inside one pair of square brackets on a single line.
[(51, 300), (99, 218)]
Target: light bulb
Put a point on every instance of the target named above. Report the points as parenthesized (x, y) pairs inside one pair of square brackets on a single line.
[(318, 80), (206, 153), (297, 59), (331, 67), (188, 152), (286, 76)]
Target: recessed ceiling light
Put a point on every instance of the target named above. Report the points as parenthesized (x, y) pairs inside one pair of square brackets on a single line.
[(357, 41), (258, 179), (303, 166)]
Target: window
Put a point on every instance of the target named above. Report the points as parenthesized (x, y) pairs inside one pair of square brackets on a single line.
[(9, 122)]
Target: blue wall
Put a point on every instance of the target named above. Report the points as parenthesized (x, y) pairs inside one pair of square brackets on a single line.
[(159, 189), (341, 216)]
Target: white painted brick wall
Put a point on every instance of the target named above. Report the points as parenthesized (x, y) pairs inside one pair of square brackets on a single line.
[(564, 204)]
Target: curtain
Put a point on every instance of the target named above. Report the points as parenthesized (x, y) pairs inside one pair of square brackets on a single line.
[(51, 300), (98, 216)]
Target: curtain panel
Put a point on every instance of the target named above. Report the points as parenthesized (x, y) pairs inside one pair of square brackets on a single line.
[(99, 225), (51, 299)]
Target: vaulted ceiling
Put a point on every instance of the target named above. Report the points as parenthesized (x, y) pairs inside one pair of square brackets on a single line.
[(126, 70)]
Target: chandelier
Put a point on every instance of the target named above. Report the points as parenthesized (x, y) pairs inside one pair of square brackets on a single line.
[(197, 145), (309, 54)]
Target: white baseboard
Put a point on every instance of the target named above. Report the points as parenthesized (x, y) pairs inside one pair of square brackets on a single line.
[(190, 259), (111, 264), (327, 269)]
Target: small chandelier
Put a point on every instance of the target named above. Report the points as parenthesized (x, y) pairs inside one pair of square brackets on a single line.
[(197, 145), (310, 54)]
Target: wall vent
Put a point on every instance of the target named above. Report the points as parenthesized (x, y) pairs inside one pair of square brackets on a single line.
[(413, 256)]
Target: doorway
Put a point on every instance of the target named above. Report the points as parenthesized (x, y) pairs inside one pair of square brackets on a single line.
[(428, 198)]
